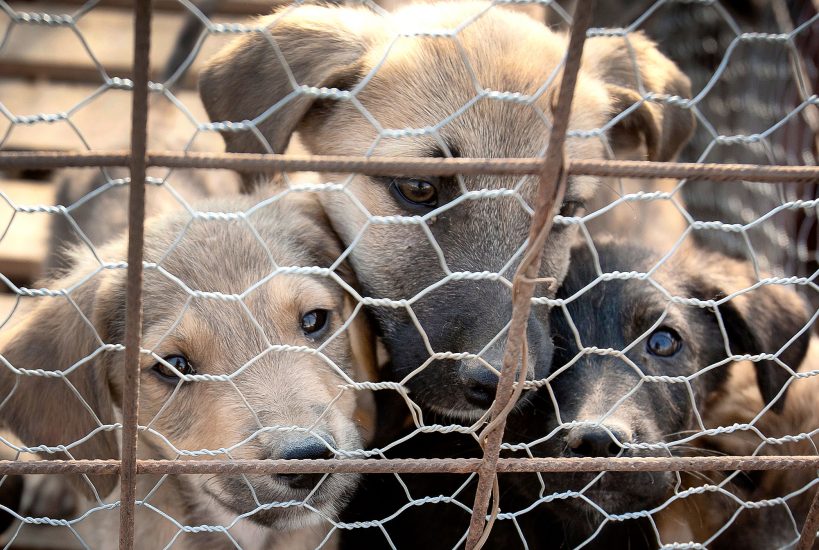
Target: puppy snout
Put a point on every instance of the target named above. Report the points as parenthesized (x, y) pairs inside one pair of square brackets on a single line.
[(597, 441), (305, 447), (480, 384)]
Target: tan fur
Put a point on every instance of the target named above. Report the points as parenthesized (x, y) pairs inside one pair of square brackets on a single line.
[(424, 80), (283, 388), (699, 517), (104, 216), (436, 95)]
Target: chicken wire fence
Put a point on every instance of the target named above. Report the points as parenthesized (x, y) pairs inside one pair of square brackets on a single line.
[(666, 395)]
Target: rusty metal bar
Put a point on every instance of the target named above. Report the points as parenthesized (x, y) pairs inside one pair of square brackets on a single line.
[(136, 239), (416, 465), (807, 537), (551, 189), (413, 166)]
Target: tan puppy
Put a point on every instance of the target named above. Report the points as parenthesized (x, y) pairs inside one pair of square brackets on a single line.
[(792, 431), (460, 79), (238, 358), (97, 198)]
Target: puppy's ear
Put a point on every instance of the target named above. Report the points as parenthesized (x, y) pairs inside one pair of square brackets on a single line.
[(365, 366), (63, 333), (362, 337), (762, 320), (631, 67), (326, 246), (262, 71)]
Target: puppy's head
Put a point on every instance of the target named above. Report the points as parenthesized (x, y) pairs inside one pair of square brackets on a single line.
[(633, 366), (239, 357), (482, 85)]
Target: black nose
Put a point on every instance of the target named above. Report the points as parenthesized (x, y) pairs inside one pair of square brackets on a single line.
[(480, 384), (305, 448), (595, 441)]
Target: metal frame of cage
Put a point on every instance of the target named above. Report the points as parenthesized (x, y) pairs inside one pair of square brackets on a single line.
[(552, 171)]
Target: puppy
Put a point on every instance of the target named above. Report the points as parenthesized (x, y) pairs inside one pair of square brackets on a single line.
[(598, 405), (480, 83), (636, 362), (238, 359), (779, 499), (96, 199)]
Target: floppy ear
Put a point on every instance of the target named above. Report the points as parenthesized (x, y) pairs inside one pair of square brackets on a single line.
[(365, 366), (764, 320), (359, 331), (62, 410), (630, 67), (305, 46)]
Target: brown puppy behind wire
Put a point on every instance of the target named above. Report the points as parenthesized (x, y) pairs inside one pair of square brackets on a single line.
[(450, 79), (243, 357)]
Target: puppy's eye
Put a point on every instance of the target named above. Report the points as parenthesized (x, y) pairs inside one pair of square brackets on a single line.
[(313, 322), (178, 362), (570, 209), (416, 191), (664, 342)]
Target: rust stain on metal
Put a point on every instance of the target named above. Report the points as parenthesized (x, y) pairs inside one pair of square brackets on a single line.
[(414, 166), (808, 536), (416, 465), (133, 320), (551, 188)]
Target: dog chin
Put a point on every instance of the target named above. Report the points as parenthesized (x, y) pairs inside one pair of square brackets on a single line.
[(292, 517), (327, 501), (464, 411), (617, 501)]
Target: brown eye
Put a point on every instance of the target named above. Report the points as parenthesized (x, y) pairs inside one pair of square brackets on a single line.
[(415, 191), (313, 322), (664, 342), (570, 209), (179, 362)]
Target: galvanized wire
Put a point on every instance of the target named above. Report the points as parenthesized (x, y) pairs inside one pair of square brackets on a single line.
[(220, 460)]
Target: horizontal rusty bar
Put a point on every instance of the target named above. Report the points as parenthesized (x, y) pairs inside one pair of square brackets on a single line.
[(690, 170), (22, 467), (417, 465), (414, 166)]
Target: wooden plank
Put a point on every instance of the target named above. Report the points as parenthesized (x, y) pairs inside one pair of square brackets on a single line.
[(78, 72), (108, 35), (24, 242), (225, 7), (104, 123)]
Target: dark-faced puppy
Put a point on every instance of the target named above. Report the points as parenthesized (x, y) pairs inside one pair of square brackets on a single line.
[(244, 356), (432, 511), (636, 358), (651, 359), (454, 79)]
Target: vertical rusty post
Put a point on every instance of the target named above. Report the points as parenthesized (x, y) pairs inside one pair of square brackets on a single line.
[(550, 191), (133, 322), (808, 536)]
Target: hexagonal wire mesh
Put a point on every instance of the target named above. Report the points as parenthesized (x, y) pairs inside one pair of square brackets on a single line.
[(655, 388)]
